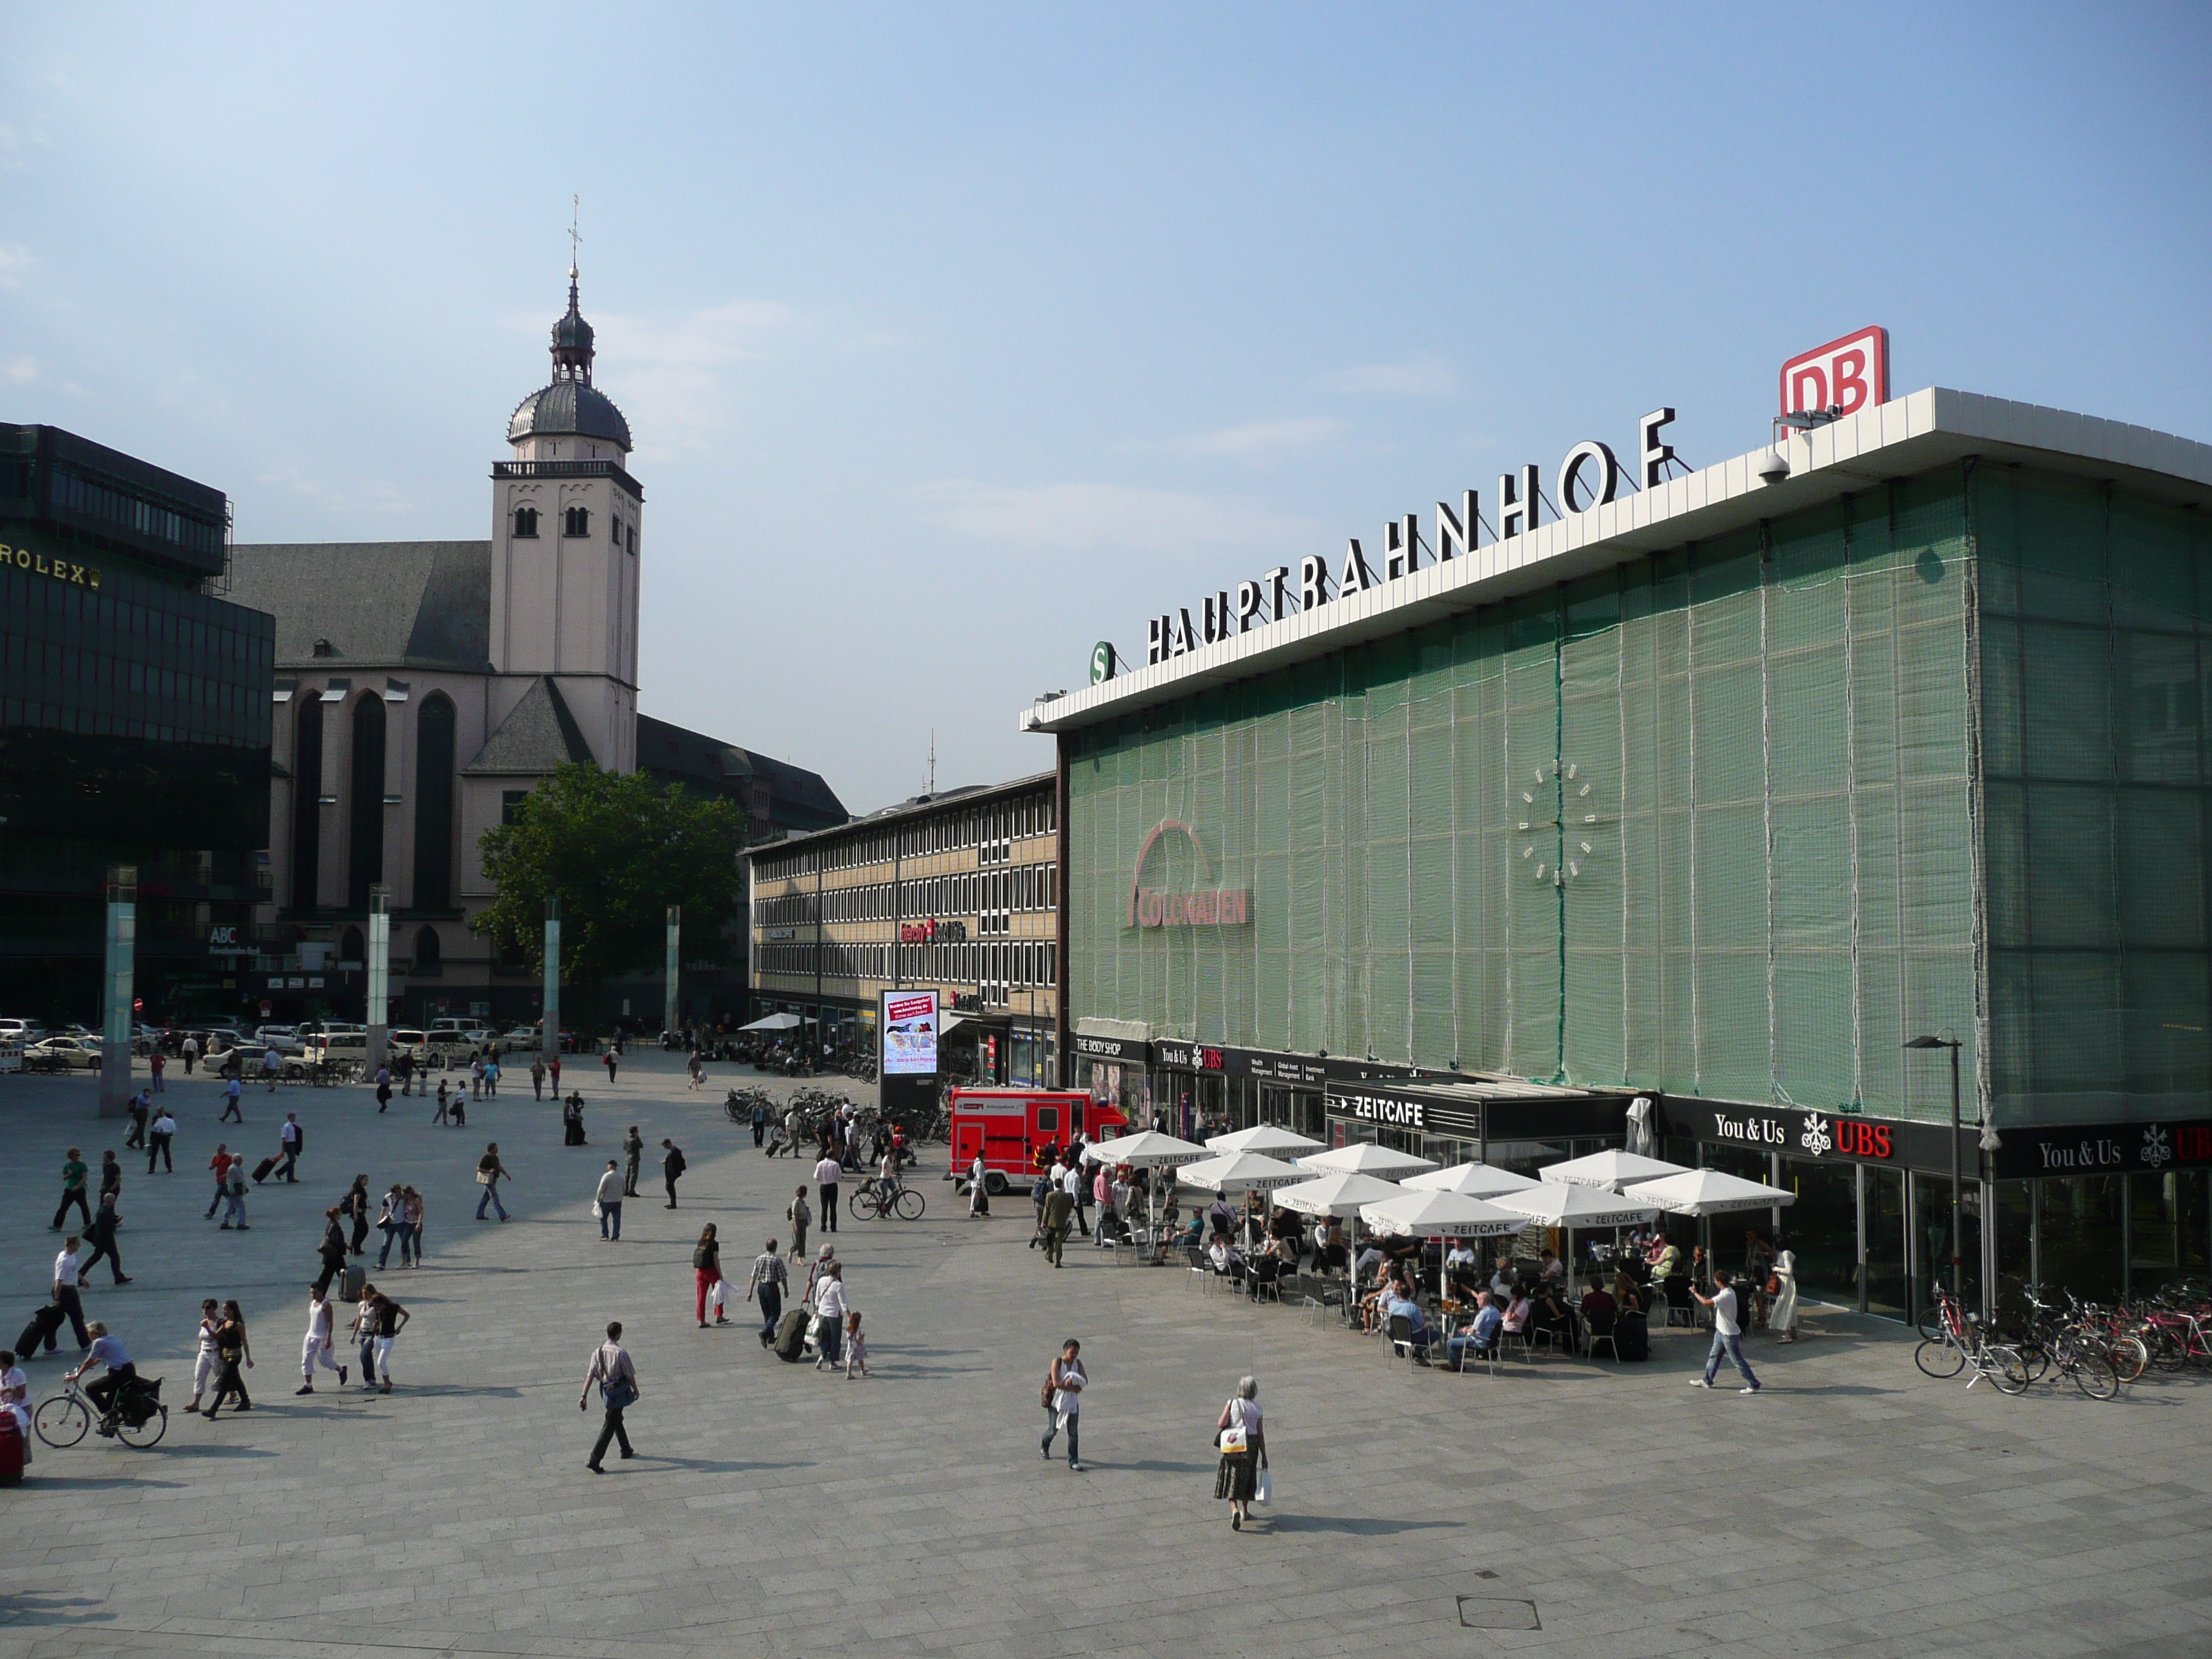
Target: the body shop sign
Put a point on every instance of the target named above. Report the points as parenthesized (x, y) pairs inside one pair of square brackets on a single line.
[(909, 1026), (1206, 906)]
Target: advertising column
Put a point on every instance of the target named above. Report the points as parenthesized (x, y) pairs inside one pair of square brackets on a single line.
[(122, 955), (549, 1034), (379, 1011), (909, 1026)]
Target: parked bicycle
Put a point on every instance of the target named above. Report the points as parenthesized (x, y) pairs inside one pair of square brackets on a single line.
[(1961, 1342)]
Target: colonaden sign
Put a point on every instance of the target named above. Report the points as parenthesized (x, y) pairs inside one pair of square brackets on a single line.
[(1589, 476), (1204, 906)]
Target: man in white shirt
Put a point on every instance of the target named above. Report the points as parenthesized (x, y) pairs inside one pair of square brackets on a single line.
[(289, 1140), (191, 1052), (1078, 1188), (159, 1135), (825, 1182), (315, 1346), (1728, 1333), (67, 1273), (272, 1064), (609, 1197)]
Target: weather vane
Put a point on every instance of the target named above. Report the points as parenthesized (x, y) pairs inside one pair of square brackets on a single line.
[(575, 237)]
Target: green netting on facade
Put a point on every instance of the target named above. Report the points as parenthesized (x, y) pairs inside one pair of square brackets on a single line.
[(1704, 823)]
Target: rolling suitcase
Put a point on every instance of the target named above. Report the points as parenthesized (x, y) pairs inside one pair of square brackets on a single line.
[(350, 1280), (44, 1324), (261, 1170), (790, 1335)]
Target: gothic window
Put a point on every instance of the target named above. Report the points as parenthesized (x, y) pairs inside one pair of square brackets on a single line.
[(306, 788), (633, 538), (614, 530), (434, 804), (427, 959), (576, 521), (526, 522), (365, 815)]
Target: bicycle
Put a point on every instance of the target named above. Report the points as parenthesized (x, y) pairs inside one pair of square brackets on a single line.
[(63, 1419), (1963, 1343), (870, 1202)]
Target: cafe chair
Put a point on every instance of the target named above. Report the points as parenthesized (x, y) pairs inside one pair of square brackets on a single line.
[(1264, 1282), (1601, 1330), (1681, 1310), (1402, 1343)]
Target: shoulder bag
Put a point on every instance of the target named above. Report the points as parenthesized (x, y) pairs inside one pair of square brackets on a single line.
[(1232, 1439)]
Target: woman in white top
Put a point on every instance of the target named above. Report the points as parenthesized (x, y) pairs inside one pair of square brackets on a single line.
[(828, 1316), (14, 1399), (1063, 1402), (204, 1363), (1244, 1451), (979, 1201), (1782, 1319)]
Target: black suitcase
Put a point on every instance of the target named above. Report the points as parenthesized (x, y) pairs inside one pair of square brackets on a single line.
[(261, 1170), (44, 1324), (350, 1280), (790, 1336), (1631, 1337)]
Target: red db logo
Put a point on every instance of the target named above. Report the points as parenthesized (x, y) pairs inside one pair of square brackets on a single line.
[(1846, 375)]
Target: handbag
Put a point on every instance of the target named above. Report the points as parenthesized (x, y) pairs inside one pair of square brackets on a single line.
[(1263, 1489), (618, 1395), (1773, 1285), (1233, 1439), (484, 1177), (599, 1214)]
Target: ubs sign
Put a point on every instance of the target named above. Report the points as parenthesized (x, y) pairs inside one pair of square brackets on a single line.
[(1202, 907)]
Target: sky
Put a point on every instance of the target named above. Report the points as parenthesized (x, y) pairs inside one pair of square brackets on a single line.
[(957, 339)]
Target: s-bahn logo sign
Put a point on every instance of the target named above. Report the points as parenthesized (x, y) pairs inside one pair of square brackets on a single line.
[(1202, 907)]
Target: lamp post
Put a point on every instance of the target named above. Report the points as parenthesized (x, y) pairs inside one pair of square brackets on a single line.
[(675, 952), (379, 1003), (549, 1037), (1958, 1175), (119, 989)]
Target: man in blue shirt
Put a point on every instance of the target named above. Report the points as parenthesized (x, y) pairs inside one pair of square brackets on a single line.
[(105, 1351), (1401, 1308), (1481, 1336)]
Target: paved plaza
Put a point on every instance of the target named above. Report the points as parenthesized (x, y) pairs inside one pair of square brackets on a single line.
[(1855, 1507)]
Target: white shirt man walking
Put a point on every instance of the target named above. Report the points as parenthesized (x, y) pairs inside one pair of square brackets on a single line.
[(825, 1182), (315, 1346), (1728, 1333), (610, 1202), (611, 1370)]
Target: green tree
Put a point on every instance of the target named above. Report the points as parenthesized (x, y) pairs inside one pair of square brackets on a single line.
[(617, 850)]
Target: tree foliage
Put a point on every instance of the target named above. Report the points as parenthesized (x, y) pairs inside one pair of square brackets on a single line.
[(617, 850)]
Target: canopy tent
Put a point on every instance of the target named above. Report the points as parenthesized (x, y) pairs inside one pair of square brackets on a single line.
[(1611, 1170), (1262, 1138), (1564, 1205), (1428, 1214), (1147, 1149), (1708, 1192), (776, 1023), (1470, 1181), (1365, 1157)]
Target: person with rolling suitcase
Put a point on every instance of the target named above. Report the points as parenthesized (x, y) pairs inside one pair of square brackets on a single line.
[(790, 1335), (45, 1326), (768, 1280)]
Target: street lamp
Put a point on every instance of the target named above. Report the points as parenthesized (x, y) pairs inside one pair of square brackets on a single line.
[(1958, 1176)]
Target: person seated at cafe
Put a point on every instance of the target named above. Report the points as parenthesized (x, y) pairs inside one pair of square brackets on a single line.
[(1664, 1257), (1192, 1231), (1370, 1263), (1400, 1305), (1701, 1271), (1220, 1217), (1225, 1258), (1549, 1314), (1518, 1312), (1479, 1335), (1334, 1255), (1600, 1303), (1401, 1247), (1626, 1292), (1551, 1270), (1461, 1265), (1502, 1281), (1394, 1286)]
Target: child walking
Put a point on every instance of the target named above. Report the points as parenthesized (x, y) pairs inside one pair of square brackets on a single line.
[(856, 1350)]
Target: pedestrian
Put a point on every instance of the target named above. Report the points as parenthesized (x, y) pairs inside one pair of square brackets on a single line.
[(315, 1346), (162, 1132), (633, 1156), (1039, 1189), (460, 1113), (1059, 1207), (291, 1140), (191, 1051), (407, 1072), (760, 1121), (672, 1168), (538, 1078), (232, 1094), (476, 1074), (707, 1272), (444, 1114), (572, 1122), (490, 1172), (75, 1172), (413, 1211), (490, 1083), (68, 1273), (204, 1363), (856, 1350), (1728, 1333), (141, 1109), (1758, 1264), (15, 1399), (609, 1059), (383, 1087), (611, 1370), (364, 1332), (220, 1164), (158, 1062), (799, 1216), (392, 1221), (389, 1320), (608, 1202), (233, 1214), (105, 1221), (332, 1250), (1078, 1189), (1783, 1319), (110, 1176), (697, 1069), (1243, 1446), (553, 1074), (828, 1316), (825, 1182), (1064, 1380), (354, 1207), (272, 1066), (231, 1347), (768, 1282), (979, 1200)]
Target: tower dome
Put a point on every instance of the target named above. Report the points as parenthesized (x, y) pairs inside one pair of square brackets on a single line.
[(570, 406)]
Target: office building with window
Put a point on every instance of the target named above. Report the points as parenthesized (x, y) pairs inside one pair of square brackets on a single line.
[(134, 729), (958, 890), (1724, 795)]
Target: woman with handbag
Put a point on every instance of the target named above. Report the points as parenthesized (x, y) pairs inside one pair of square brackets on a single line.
[(1244, 1452), (707, 1271), (1782, 1286), (232, 1347), (611, 1370), (1062, 1400)]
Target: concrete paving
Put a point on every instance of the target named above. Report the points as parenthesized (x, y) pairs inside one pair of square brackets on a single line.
[(1562, 1508)]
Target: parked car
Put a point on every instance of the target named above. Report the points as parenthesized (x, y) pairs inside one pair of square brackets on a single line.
[(62, 1054), (413, 1043), (21, 1030)]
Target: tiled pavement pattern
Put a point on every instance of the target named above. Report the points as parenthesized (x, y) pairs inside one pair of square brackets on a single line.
[(1855, 1508)]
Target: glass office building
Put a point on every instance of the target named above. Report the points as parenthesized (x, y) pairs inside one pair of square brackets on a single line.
[(1721, 793), (134, 729)]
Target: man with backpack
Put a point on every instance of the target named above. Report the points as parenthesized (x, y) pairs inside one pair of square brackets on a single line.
[(672, 1168)]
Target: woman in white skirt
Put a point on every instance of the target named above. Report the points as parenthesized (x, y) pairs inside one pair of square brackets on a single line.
[(1782, 1319)]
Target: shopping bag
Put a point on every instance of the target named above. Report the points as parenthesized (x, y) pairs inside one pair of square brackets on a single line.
[(1263, 1489)]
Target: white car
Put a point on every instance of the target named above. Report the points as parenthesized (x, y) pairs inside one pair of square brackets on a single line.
[(62, 1054)]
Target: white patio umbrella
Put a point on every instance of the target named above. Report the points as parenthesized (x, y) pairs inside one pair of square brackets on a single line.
[(1564, 1205), (1340, 1193), (1262, 1138), (1243, 1172), (1365, 1157), (1613, 1170), (1470, 1181), (775, 1023), (1707, 1193), (1429, 1214), (1147, 1149)]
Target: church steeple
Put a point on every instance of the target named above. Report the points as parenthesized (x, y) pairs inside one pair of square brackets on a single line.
[(572, 340)]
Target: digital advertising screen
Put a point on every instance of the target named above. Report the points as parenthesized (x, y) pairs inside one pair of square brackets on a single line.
[(909, 1028)]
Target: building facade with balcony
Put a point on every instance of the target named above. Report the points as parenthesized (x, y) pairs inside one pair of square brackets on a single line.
[(958, 890)]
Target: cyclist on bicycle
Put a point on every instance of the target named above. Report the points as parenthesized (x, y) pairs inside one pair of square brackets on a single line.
[(108, 1351), (886, 1183)]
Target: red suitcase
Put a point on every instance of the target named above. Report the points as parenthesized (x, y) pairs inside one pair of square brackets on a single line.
[(261, 1170)]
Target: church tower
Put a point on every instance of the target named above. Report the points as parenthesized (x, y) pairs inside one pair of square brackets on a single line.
[(567, 524)]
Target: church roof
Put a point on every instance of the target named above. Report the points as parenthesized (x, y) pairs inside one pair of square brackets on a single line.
[(416, 604), (796, 798), (569, 409), (538, 734)]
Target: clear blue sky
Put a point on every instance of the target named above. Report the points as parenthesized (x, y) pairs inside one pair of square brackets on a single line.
[(956, 339)]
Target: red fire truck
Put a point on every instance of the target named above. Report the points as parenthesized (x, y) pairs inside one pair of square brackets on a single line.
[(1010, 1126)]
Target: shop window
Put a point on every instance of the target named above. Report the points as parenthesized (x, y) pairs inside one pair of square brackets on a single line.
[(2079, 1219), (2168, 1231)]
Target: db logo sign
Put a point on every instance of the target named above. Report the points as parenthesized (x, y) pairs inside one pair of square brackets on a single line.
[(1846, 375)]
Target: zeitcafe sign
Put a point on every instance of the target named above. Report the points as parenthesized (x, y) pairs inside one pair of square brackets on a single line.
[(1589, 476)]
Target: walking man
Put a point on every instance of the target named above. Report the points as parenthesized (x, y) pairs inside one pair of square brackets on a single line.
[(1064, 1382), (142, 1107), (760, 1121), (332, 1249), (1059, 1206), (272, 1064), (1728, 1333), (383, 1087), (610, 1202), (633, 1156), (158, 1062), (191, 1052), (162, 1131), (67, 1271), (289, 1140), (611, 1370), (825, 1184), (391, 1219), (798, 1215), (364, 1332), (770, 1279), (407, 1071), (354, 1206), (830, 1317), (387, 1319), (220, 1164), (232, 1111), (538, 1077), (1078, 1189), (490, 1172), (315, 1346), (103, 1233), (75, 1173), (672, 1168), (608, 1058)]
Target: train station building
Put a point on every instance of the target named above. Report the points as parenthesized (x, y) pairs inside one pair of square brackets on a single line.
[(1717, 793)]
